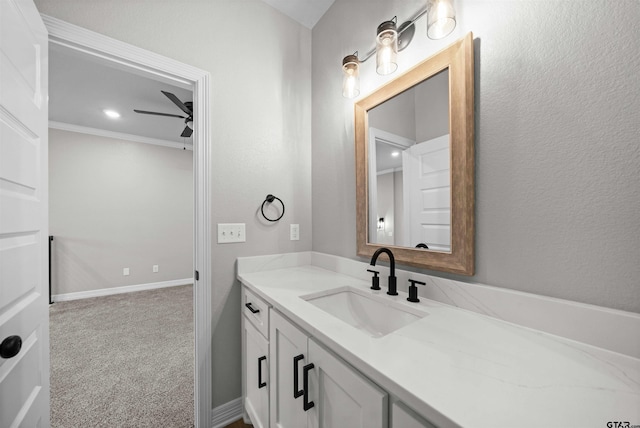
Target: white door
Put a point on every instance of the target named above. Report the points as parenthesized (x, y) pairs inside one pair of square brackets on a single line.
[(256, 376), (288, 352), (24, 316), (427, 194), (341, 396)]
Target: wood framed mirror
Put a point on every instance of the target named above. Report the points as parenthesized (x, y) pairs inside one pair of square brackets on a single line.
[(425, 198)]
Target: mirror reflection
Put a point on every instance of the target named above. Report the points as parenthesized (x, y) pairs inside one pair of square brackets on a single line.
[(409, 159)]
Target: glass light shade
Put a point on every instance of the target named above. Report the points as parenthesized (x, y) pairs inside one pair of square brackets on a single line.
[(387, 48), (351, 78), (441, 18)]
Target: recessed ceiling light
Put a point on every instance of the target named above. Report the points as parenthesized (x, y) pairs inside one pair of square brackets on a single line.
[(395, 154), (111, 113)]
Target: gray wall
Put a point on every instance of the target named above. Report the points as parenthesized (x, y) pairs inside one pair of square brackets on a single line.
[(116, 204), (432, 107), (557, 125), (386, 208), (260, 63), (419, 114), (397, 115)]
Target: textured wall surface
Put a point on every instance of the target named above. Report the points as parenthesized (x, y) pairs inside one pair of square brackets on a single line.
[(116, 204), (260, 65), (557, 135)]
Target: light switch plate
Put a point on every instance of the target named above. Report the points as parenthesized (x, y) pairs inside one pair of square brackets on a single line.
[(294, 232), (231, 232)]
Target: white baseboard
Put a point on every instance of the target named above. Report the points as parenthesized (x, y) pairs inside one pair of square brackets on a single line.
[(119, 290), (223, 415)]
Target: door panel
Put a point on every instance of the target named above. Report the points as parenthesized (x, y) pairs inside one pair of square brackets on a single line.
[(427, 193), (24, 378)]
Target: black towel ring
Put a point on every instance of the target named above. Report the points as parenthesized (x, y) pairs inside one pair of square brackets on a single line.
[(270, 199)]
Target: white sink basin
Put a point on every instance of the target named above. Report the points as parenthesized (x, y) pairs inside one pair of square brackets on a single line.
[(376, 315)]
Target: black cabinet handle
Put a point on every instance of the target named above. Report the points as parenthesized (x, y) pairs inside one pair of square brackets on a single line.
[(306, 405), (296, 393), (251, 308), (261, 384), (10, 346)]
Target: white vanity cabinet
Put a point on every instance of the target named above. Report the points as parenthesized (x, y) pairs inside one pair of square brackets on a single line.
[(255, 325), (312, 388)]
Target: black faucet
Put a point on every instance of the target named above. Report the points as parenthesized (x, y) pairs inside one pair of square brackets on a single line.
[(392, 269)]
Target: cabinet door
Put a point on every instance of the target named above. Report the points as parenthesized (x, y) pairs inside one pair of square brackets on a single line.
[(403, 417), (342, 397), (288, 352), (256, 376)]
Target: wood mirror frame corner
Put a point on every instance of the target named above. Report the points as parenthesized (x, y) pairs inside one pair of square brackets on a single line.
[(458, 58)]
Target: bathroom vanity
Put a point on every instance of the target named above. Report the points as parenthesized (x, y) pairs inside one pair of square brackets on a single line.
[(320, 348)]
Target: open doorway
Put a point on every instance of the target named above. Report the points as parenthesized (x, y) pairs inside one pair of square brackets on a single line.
[(126, 57)]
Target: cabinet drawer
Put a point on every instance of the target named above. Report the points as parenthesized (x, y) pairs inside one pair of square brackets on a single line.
[(256, 311)]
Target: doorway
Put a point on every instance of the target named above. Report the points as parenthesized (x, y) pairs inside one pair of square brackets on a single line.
[(137, 60)]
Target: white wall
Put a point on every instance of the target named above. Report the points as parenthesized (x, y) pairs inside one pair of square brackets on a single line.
[(116, 204), (557, 125), (260, 64)]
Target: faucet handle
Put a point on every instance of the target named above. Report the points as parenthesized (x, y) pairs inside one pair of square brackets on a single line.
[(413, 290), (375, 280)]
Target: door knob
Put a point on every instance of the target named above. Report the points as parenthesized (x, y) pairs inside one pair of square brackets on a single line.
[(10, 346)]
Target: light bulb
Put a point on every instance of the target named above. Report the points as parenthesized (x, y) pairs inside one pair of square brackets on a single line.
[(351, 78), (441, 19), (386, 48)]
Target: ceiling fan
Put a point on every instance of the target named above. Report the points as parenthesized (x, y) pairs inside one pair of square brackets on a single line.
[(186, 107)]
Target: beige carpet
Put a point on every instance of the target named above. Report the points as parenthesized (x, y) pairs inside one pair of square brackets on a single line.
[(123, 361)]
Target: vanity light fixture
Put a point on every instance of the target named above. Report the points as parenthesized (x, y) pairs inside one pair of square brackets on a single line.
[(381, 223), (351, 78), (391, 39), (387, 47)]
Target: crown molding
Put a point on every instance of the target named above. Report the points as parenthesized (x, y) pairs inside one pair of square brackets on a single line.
[(117, 135)]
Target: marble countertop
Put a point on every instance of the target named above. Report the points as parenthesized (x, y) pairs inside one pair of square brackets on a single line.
[(461, 368)]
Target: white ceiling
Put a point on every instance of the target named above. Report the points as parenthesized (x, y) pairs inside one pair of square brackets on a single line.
[(81, 87), (306, 12)]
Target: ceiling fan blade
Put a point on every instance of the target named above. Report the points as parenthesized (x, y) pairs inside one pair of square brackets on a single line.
[(186, 132), (159, 114), (177, 102)]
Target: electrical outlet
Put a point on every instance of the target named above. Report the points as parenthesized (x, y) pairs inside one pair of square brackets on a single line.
[(294, 232), (231, 232), (125, 271), (155, 268)]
